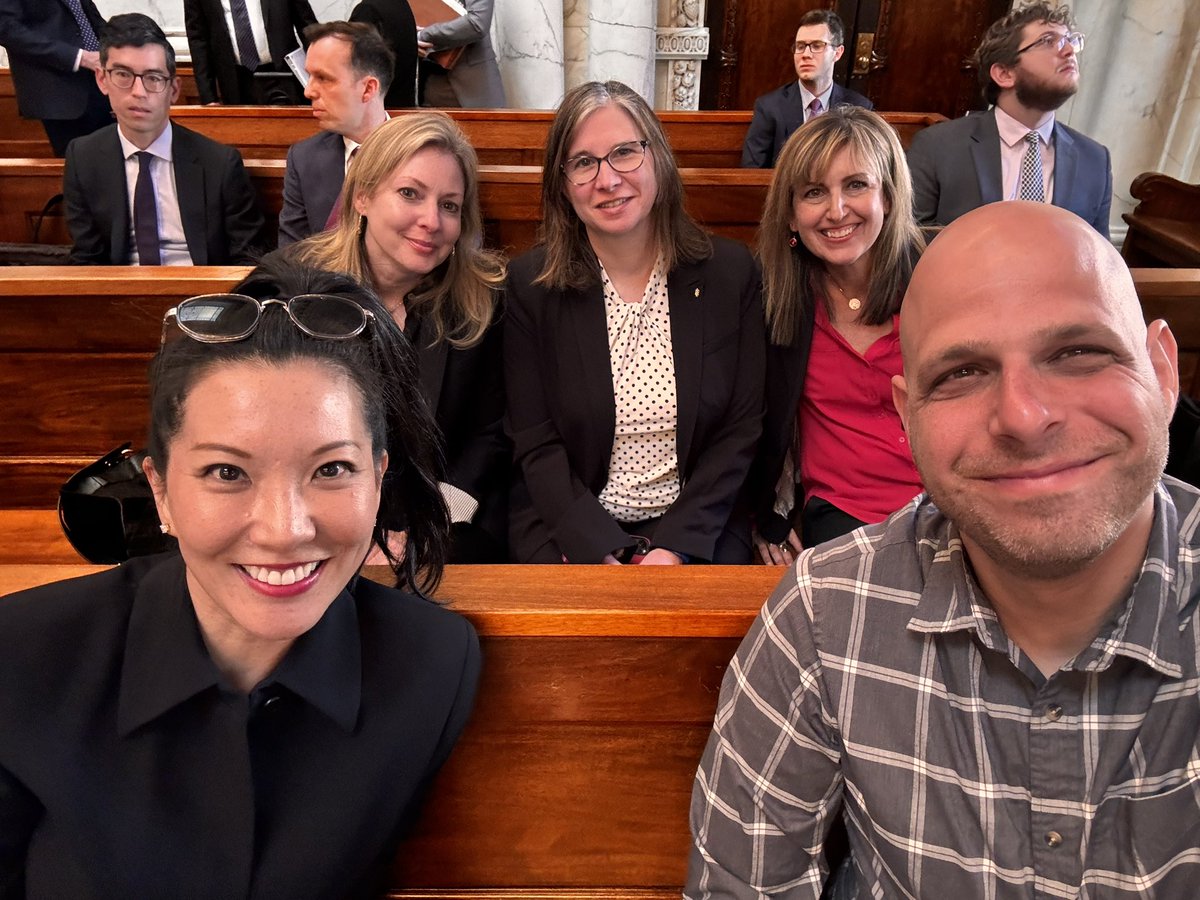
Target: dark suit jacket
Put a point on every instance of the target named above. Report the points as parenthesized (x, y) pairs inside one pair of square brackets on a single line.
[(465, 390), (956, 168), (42, 40), (211, 44), (562, 414), (115, 713), (395, 22), (316, 167), (777, 115), (217, 204)]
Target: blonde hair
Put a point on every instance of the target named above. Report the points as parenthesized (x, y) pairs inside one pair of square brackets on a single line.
[(789, 273), (459, 296), (570, 260)]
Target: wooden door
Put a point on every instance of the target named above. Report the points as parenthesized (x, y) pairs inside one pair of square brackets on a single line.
[(918, 61)]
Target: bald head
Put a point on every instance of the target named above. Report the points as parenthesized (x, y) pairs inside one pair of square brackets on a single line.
[(1002, 249), (1035, 397)]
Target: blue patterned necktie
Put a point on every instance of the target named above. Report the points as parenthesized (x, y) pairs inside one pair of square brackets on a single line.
[(244, 35), (87, 34), (1032, 187)]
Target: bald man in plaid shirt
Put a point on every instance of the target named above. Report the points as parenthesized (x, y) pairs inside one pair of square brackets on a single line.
[(996, 688)]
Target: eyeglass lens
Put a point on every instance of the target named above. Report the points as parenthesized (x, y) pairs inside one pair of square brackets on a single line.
[(814, 46), (324, 315)]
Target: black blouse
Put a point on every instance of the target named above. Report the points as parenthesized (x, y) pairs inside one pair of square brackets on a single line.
[(129, 767)]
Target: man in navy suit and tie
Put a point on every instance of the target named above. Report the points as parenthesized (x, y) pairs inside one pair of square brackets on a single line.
[(818, 45), (146, 191), (1028, 67), (53, 50), (349, 70)]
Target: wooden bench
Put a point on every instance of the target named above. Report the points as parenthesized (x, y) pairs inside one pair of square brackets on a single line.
[(727, 201), (572, 780), (1164, 228), (76, 342)]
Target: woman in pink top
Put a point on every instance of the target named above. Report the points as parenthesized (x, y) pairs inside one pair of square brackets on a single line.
[(837, 244)]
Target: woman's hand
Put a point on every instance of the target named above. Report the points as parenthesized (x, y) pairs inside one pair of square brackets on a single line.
[(661, 557), (609, 560), (778, 554)]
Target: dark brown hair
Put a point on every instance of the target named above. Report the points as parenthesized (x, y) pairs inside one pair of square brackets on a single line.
[(369, 52)]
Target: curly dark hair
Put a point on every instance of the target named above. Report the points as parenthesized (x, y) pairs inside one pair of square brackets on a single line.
[(1003, 39)]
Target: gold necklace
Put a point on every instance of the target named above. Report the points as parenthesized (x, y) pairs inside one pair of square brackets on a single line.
[(853, 302)]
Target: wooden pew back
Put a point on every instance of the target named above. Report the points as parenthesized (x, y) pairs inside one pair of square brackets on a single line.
[(76, 342)]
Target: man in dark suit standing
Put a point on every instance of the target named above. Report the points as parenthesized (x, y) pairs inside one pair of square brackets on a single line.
[(52, 51), (235, 43), (1028, 67), (145, 191), (349, 69), (818, 45), (395, 21)]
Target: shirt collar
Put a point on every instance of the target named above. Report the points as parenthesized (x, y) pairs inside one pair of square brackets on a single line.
[(166, 662), (1147, 628), (807, 98), (1013, 132), (160, 146)]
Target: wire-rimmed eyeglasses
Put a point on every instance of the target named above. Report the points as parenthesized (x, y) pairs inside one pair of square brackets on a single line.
[(626, 157), (1057, 41), (153, 82), (223, 318)]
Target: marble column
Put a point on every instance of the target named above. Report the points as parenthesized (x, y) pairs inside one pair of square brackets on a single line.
[(1139, 90), (610, 40), (529, 41)]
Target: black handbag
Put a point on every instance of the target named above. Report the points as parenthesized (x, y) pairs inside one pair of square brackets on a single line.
[(107, 510)]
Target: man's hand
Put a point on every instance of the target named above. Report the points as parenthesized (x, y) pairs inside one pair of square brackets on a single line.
[(90, 60)]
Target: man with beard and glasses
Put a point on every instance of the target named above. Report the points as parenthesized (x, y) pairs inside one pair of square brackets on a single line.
[(1028, 67), (996, 687)]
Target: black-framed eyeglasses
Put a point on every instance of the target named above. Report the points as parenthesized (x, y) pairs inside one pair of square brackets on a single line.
[(224, 318), (626, 157), (817, 47), (153, 82), (1057, 42)]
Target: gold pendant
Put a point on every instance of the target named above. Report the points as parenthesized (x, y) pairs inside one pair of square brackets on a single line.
[(855, 303)]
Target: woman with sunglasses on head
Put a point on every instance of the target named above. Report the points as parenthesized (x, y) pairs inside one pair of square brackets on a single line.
[(633, 354), (409, 226), (837, 244), (247, 717)]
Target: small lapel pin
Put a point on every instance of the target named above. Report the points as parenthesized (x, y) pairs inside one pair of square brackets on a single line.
[(697, 293)]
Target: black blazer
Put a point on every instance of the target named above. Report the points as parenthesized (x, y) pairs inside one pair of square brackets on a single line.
[(130, 768), (562, 414), (42, 40), (465, 390), (778, 114), (396, 23), (787, 368), (211, 44), (956, 168), (217, 204)]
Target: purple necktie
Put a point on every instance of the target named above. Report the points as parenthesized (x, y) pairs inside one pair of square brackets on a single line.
[(244, 35), (814, 109), (87, 34), (145, 214)]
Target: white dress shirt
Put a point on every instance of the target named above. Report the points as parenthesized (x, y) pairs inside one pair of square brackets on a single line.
[(1013, 149), (807, 98), (172, 242), (257, 28)]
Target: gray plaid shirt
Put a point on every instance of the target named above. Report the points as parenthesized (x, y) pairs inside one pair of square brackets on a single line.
[(877, 682)]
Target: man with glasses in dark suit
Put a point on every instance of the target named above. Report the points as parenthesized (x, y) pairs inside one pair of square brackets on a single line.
[(146, 191), (818, 45), (1028, 67)]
